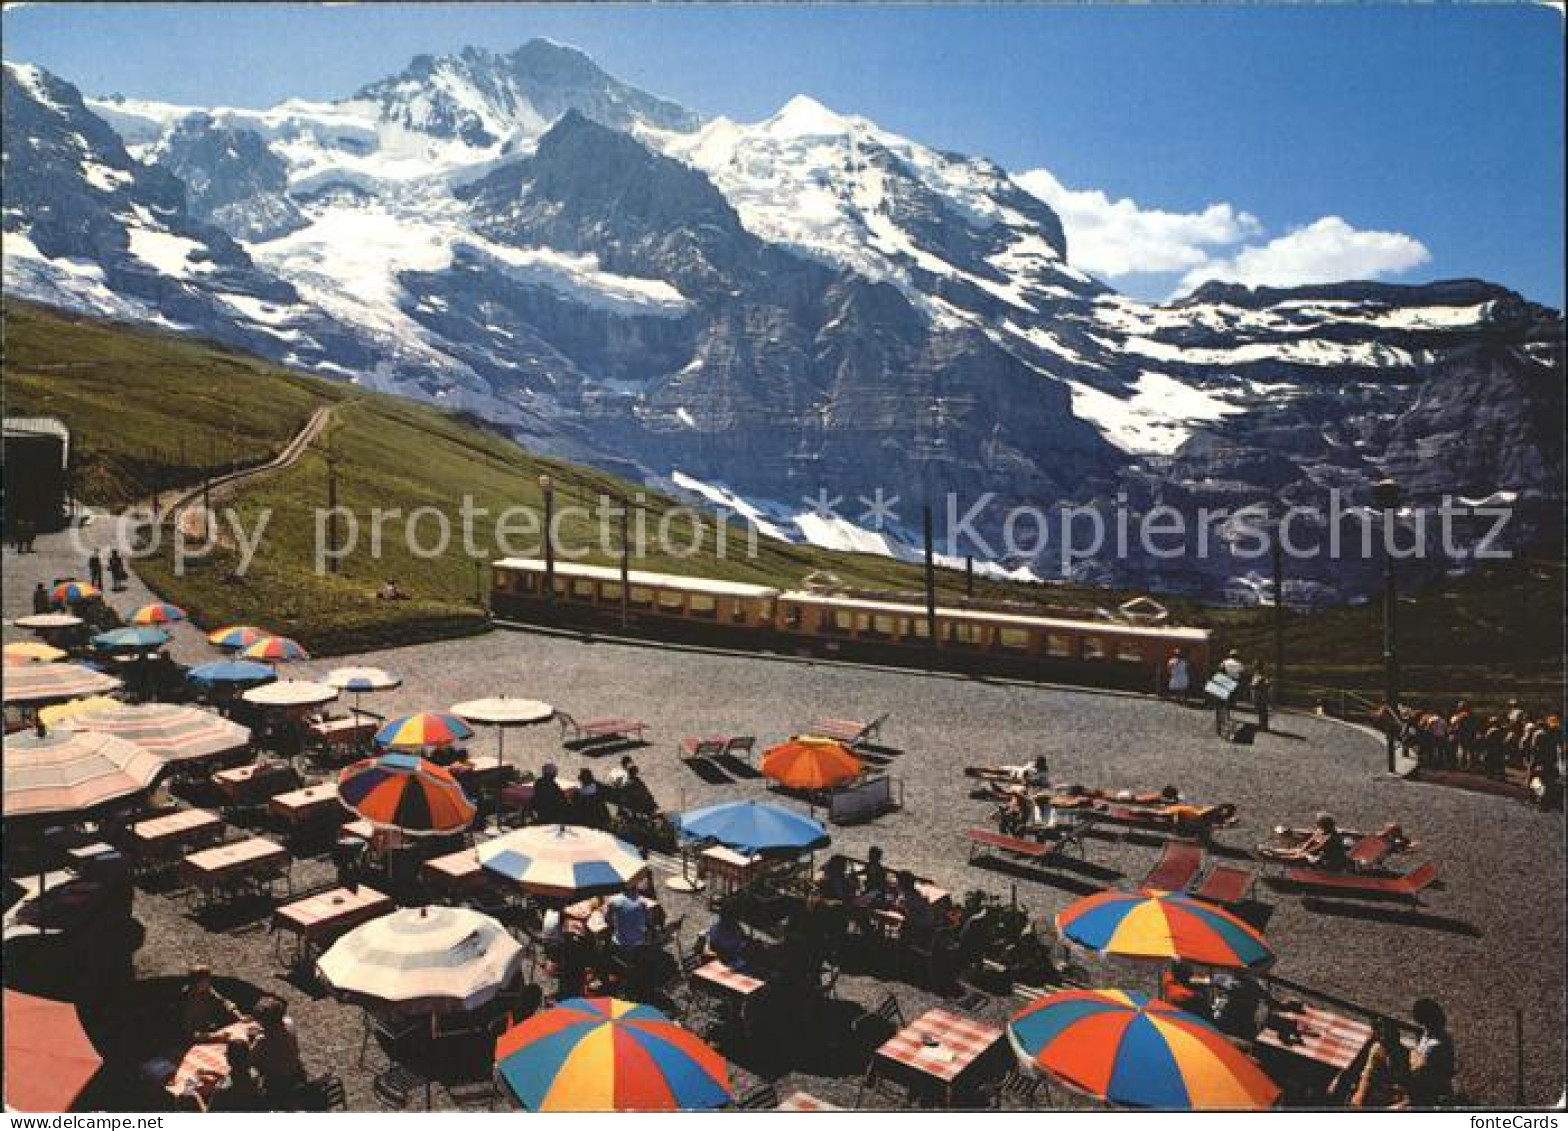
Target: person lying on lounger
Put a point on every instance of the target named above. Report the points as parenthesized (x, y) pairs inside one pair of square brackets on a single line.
[(1324, 847)]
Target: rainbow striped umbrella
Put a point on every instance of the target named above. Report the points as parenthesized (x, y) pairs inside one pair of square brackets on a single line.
[(407, 793), (237, 636), (604, 1054), (423, 731), (1163, 925), (1137, 1051), (68, 592), (32, 652), (563, 860), (159, 612), (276, 649)]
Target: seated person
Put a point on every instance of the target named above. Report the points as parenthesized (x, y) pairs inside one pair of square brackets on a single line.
[(1324, 847), (1017, 814), (1181, 988), (1038, 774), (276, 1055), (588, 807), (203, 1011), (1433, 1063), (634, 795), (549, 801), (241, 1092), (919, 915), (629, 917), (874, 877), (727, 941), (836, 883), (1382, 1083)]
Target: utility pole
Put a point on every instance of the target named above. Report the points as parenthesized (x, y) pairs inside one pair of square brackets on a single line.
[(332, 510), (969, 576), (1385, 496), (1279, 616), (626, 563), (547, 486), (930, 578)]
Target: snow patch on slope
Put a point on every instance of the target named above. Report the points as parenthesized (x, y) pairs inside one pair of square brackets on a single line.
[(1156, 419)]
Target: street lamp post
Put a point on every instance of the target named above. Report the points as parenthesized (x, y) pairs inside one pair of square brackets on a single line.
[(1277, 552), (547, 486), (626, 563), (1385, 495)]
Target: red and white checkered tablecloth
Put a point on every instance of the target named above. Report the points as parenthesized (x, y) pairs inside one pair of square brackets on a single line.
[(1325, 1038), (805, 1101), (960, 1041), (729, 979)]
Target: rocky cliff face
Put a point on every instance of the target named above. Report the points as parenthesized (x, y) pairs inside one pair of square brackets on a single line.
[(808, 307)]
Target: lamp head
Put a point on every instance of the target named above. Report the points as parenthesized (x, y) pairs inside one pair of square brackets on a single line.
[(1385, 493)]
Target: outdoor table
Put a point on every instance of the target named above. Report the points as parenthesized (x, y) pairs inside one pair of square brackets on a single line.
[(735, 989), (204, 1069), (317, 918), (352, 732), (303, 806), (937, 1048), (728, 871), (805, 1101), (483, 774), (454, 874), (255, 858), (88, 858), (164, 835), (253, 782), (587, 916), (1325, 1044)]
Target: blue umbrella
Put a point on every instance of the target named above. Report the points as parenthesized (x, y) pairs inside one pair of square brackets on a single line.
[(131, 639), (231, 673), (752, 827)]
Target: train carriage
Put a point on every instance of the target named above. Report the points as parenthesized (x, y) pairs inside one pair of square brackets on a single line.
[(850, 626)]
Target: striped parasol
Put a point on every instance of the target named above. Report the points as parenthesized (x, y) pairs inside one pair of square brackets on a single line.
[(1137, 1052), (131, 639), (69, 592), (275, 649), (67, 772), (31, 652), (159, 612), (604, 1054), (563, 860), (407, 793), (49, 1059), (236, 636), (362, 681), (423, 960), (173, 732), (1163, 925), (50, 683), (54, 716), (424, 731), (811, 763)]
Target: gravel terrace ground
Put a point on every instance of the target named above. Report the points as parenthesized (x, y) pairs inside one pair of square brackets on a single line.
[(1488, 940)]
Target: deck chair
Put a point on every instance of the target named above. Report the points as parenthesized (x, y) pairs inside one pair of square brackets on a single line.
[(694, 749), (1407, 887), (1179, 864), (1225, 885)]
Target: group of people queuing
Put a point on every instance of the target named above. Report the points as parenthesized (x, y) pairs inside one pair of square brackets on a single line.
[(1485, 743), (1253, 682)]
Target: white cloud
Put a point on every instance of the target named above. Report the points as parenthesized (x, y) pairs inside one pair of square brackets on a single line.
[(1115, 238), (1326, 251)]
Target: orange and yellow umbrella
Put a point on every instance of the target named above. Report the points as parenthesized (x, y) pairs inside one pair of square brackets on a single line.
[(405, 792), (1163, 925), (276, 649), (159, 612), (811, 763), (604, 1054), (1138, 1052)]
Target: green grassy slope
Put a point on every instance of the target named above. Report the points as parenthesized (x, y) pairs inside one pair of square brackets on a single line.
[(150, 410)]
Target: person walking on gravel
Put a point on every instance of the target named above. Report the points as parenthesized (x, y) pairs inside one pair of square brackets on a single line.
[(117, 570)]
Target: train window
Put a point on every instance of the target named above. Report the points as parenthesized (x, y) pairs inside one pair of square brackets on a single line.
[(582, 589), (1014, 639), (1128, 652), (641, 596), (562, 586), (1058, 644), (839, 621), (966, 634), (919, 629), (529, 583), (702, 605), (1093, 648), (671, 600), (610, 591), (792, 616), (738, 610)]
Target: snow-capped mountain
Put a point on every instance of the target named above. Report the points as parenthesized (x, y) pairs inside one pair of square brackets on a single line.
[(758, 313)]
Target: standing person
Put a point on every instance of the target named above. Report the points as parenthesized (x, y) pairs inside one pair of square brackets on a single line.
[(95, 570), (1178, 675), (1232, 666), (41, 601), (1382, 1081), (1432, 1064), (1262, 688), (117, 570)]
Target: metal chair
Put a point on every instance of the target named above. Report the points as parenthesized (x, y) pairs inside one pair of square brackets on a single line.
[(761, 1098), (393, 1028)]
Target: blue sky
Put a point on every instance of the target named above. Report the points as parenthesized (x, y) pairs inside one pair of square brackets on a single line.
[(1268, 144)]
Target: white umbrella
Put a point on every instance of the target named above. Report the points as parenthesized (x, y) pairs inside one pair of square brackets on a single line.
[(48, 683), (361, 680), (173, 732), (423, 959), (65, 773), (502, 712), (48, 621), (563, 860), (291, 693)]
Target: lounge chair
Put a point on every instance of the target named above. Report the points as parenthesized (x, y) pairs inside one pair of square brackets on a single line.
[(1225, 885), (1406, 887), (1179, 864), (850, 732), (691, 749), (984, 841), (597, 730)]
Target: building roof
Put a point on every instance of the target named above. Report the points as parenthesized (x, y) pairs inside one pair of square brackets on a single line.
[(15, 427)]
